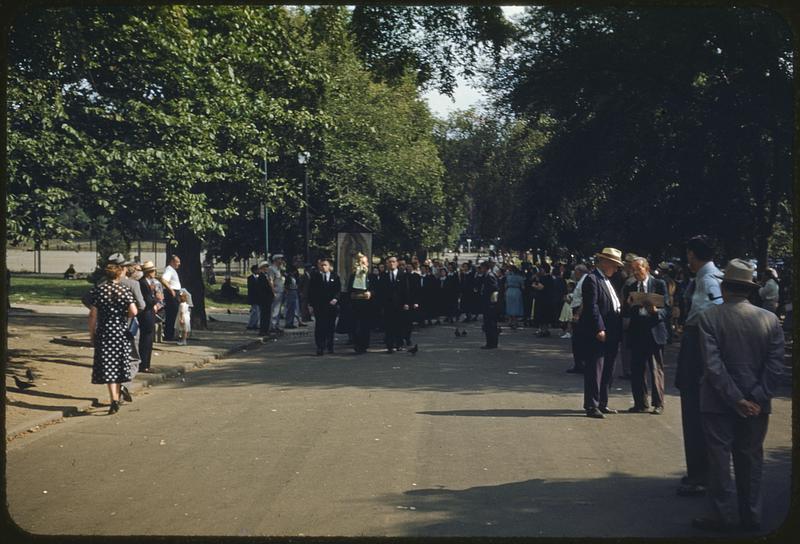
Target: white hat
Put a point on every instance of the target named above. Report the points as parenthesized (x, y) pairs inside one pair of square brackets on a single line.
[(262, 264), (738, 271), (276, 257)]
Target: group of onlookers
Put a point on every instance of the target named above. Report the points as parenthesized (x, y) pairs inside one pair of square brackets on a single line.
[(731, 356), (126, 306)]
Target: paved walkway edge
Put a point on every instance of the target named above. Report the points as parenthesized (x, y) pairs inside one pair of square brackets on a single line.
[(148, 380)]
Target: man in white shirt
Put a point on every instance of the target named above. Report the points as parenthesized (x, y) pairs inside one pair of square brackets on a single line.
[(579, 275), (172, 285)]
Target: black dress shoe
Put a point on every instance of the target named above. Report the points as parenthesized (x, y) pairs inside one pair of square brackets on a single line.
[(574, 371), (389, 350), (607, 410), (710, 524), (595, 413), (125, 394), (320, 352), (488, 347), (114, 407), (637, 410), (691, 490)]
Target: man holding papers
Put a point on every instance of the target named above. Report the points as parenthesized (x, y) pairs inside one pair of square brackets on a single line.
[(647, 305)]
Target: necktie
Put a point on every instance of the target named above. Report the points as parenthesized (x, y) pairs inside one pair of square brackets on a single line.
[(641, 287)]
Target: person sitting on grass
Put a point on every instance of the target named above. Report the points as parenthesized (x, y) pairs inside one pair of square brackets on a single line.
[(70, 273), (228, 291)]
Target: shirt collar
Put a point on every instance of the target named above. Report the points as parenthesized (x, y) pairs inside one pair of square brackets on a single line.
[(706, 269)]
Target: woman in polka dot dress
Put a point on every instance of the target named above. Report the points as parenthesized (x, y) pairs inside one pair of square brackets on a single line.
[(111, 306)]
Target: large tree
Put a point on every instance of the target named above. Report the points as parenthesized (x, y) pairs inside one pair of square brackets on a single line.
[(661, 123)]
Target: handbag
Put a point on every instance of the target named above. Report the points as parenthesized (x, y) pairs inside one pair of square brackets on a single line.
[(133, 328)]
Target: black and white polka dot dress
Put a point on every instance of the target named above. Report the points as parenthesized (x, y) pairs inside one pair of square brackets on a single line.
[(112, 346)]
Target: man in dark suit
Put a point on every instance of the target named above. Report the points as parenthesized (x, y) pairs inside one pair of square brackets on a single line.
[(647, 334), (264, 298), (599, 328), (395, 299), (323, 299), (489, 288)]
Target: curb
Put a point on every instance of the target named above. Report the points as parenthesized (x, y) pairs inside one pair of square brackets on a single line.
[(148, 380)]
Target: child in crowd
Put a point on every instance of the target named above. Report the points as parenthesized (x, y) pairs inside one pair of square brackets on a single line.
[(183, 325), (566, 311)]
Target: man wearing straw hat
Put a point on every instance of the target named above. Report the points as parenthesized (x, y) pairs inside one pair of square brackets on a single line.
[(742, 349), (600, 329)]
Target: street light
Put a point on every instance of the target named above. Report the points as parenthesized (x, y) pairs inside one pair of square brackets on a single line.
[(303, 158)]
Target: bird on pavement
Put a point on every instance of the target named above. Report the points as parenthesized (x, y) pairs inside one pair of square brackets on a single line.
[(22, 385), (458, 333), (464, 332), (414, 350), (29, 373)]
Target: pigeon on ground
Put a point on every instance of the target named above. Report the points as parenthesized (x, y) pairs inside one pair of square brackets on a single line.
[(458, 333), (464, 332), (22, 385), (414, 350), (29, 373)]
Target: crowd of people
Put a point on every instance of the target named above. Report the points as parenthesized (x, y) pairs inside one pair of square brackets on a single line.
[(610, 306)]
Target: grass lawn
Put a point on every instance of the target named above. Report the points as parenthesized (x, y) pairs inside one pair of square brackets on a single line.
[(39, 290)]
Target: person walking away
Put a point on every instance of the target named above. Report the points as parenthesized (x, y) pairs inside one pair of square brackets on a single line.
[(264, 296), (647, 335), (277, 281), (600, 328), (579, 274), (361, 287), (742, 350), (514, 284), (111, 304), (172, 285), (701, 294), (252, 298), (147, 317), (302, 290), (183, 321), (770, 291), (292, 299), (489, 294), (323, 293)]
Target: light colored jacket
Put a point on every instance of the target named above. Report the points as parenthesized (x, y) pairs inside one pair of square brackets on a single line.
[(742, 347), (134, 286)]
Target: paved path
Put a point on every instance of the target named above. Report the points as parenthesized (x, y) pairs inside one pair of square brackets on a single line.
[(453, 441)]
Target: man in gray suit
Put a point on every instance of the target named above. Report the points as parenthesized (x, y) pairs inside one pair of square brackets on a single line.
[(742, 347)]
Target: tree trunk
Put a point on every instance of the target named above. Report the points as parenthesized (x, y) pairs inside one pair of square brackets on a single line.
[(191, 274)]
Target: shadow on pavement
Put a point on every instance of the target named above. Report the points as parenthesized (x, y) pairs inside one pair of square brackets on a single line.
[(507, 413), (618, 505)]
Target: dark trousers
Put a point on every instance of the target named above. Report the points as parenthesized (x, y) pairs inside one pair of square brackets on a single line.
[(147, 332), (647, 365), (694, 442), (324, 327), (170, 313), (577, 355), (687, 379), (264, 315), (362, 322), (743, 438), (490, 326), (598, 372), (394, 323)]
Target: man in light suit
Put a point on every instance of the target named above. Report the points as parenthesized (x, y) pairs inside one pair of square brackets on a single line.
[(647, 335), (323, 299), (742, 349), (599, 328)]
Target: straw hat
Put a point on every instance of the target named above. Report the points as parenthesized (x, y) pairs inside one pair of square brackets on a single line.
[(148, 266), (612, 254), (739, 271)]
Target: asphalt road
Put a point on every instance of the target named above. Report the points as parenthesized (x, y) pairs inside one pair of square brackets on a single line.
[(453, 441)]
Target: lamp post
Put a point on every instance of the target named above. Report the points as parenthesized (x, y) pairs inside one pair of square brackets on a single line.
[(302, 158)]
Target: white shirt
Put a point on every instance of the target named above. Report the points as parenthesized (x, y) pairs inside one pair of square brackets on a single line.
[(170, 276), (641, 286), (274, 273), (613, 293), (577, 295), (707, 291)]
